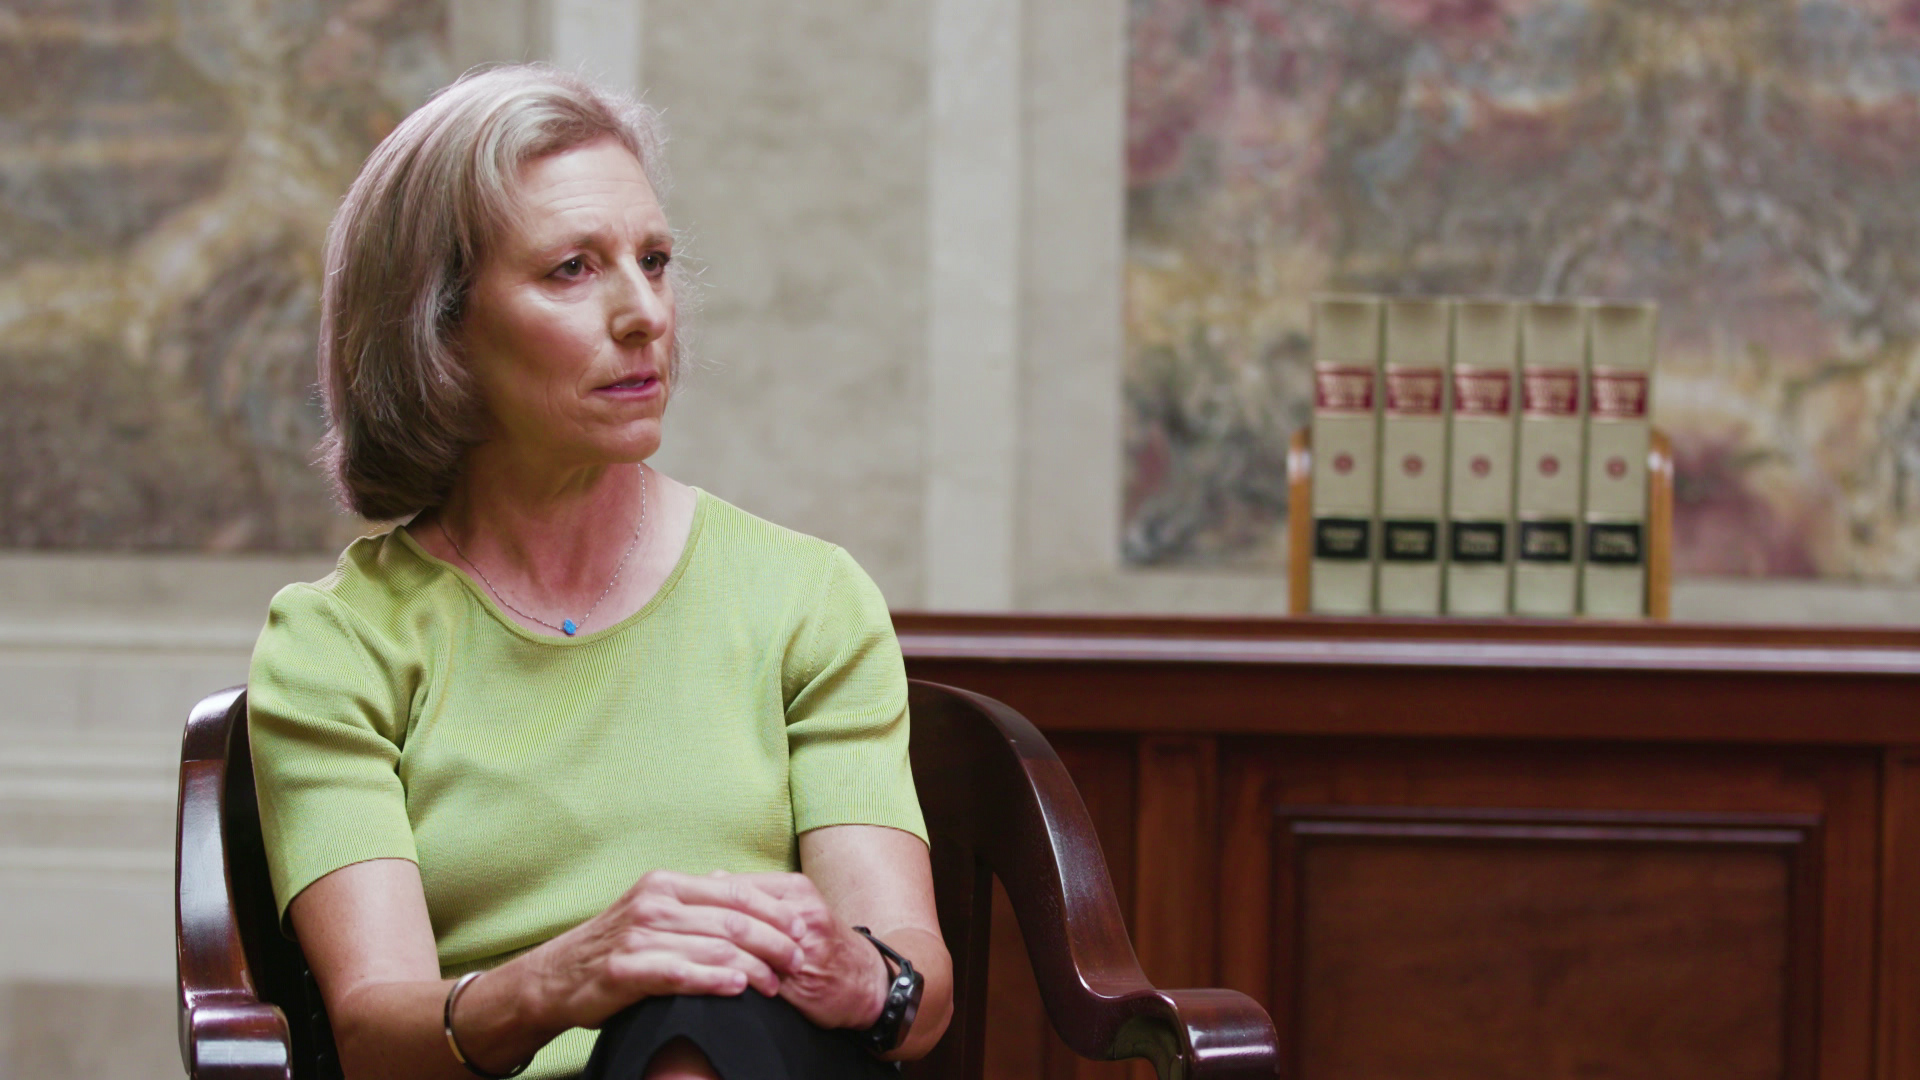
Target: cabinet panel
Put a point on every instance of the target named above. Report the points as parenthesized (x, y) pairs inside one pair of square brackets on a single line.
[(1519, 945), (1455, 909)]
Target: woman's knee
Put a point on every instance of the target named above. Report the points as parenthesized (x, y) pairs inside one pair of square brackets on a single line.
[(680, 1060)]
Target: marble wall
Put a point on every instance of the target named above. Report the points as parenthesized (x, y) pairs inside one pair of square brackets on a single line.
[(1752, 165), (914, 222), (167, 171)]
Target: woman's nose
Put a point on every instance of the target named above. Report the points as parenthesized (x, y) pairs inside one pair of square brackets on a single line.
[(640, 306)]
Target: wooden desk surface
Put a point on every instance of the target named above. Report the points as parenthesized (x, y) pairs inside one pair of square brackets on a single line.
[(1411, 677)]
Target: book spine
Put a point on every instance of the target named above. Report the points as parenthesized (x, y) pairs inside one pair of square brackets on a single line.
[(1484, 378), (1547, 484), (1613, 577), (1413, 455), (1346, 433)]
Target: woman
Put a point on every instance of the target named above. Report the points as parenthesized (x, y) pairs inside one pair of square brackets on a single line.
[(545, 758)]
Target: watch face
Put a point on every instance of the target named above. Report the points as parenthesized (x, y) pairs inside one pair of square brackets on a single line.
[(903, 1004)]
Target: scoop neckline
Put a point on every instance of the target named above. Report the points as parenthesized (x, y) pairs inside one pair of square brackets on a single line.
[(499, 615)]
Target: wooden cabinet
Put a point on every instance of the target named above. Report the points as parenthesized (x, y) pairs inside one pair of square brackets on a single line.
[(1491, 850)]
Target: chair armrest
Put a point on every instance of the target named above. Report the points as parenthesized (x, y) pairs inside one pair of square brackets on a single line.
[(1215, 1033), (226, 1031), (239, 1040), (1027, 823)]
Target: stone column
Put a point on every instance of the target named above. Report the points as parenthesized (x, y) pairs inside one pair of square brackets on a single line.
[(973, 325)]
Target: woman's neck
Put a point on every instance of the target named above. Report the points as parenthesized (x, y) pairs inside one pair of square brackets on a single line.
[(554, 537)]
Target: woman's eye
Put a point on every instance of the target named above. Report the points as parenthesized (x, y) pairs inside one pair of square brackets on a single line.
[(573, 267)]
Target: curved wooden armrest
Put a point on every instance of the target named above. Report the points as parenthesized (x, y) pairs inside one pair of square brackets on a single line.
[(997, 789), (239, 1040), (226, 1031), (1216, 1033)]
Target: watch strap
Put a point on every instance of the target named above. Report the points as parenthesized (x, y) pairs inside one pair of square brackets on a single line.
[(902, 1004)]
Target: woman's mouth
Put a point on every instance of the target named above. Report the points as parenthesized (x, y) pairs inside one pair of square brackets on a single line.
[(634, 385)]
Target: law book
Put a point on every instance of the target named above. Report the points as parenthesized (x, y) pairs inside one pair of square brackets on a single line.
[(1484, 382), (1613, 574), (1548, 473), (1413, 455), (1346, 433)]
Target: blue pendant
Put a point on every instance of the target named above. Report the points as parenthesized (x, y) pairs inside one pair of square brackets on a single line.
[(567, 627)]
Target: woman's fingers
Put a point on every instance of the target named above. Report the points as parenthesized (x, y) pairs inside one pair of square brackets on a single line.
[(841, 979), (774, 946), (660, 962), (669, 977), (676, 933), (811, 916), (738, 892)]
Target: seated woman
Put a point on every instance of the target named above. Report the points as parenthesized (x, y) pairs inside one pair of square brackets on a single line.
[(546, 758)]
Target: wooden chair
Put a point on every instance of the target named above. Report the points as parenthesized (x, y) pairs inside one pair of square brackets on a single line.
[(997, 802)]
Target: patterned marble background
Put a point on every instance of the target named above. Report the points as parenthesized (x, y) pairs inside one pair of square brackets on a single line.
[(167, 170), (1752, 164)]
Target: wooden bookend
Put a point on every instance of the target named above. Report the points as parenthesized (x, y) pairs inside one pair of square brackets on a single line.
[(1300, 522), (1659, 525)]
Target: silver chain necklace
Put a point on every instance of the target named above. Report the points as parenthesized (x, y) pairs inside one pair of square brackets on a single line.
[(567, 626)]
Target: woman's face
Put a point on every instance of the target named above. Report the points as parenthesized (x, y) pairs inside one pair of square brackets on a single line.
[(569, 326)]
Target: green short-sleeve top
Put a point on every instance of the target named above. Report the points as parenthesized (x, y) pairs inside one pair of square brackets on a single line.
[(396, 712)]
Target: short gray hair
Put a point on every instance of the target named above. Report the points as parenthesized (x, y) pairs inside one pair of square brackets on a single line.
[(402, 410)]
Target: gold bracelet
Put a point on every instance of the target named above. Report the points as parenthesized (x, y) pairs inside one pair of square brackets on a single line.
[(446, 1019)]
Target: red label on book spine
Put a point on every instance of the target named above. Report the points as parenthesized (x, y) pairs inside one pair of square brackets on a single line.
[(1342, 388), (1550, 392), (1415, 391), (1482, 393), (1619, 395)]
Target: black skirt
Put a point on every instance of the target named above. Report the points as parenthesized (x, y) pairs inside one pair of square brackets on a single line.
[(748, 1037)]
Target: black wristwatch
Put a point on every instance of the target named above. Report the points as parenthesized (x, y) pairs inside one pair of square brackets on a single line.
[(903, 1001)]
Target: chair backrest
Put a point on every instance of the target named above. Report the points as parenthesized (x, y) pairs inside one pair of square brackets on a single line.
[(997, 802)]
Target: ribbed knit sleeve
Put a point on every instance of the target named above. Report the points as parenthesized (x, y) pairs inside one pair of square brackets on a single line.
[(326, 716), (847, 719)]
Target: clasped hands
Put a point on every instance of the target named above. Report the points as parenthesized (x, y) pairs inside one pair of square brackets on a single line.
[(678, 933)]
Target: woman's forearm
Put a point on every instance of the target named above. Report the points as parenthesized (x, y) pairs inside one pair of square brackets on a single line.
[(366, 931), (396, 1030)]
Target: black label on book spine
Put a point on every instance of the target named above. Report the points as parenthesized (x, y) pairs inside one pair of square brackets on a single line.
[(1546, 541), (1410, 541), (1614, 543), (1482, 543), (1343, 539)]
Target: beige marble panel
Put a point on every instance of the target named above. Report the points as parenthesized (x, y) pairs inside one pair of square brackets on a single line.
[(1806, 603), (601, 38), (62, 1031), (1071, 261), (42, 694), (88, 916), (973, 321), (202, 589), (798, 146), (87, 824), (493, 31), (99, 646)]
